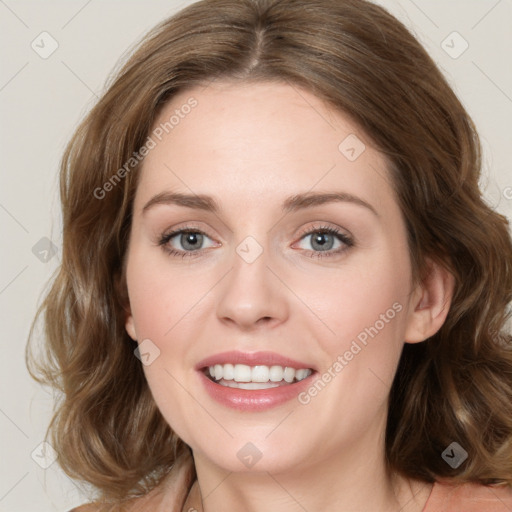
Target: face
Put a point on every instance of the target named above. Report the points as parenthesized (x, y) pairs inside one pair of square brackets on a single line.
[(271, 325)]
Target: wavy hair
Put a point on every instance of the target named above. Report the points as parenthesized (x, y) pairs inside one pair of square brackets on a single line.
[(455, 386)]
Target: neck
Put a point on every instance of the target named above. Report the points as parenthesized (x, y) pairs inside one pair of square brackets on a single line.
[(354, 480)]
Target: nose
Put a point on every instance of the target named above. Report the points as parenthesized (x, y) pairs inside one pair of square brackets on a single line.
[(252, 295)]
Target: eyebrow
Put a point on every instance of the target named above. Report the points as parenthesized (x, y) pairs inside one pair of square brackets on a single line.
[(291, 204)]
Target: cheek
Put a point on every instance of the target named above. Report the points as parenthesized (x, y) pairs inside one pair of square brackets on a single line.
[(159, 297), (357, 295), (366, 310), (159, 303), (363, 311)]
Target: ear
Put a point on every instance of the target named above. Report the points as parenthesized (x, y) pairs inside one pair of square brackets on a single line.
[(130, 326), (430, 303), (121, 289)]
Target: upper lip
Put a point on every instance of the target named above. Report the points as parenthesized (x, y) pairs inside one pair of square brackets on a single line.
[(251, 359)]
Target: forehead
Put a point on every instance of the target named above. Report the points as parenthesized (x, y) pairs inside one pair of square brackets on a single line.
[(249, 142)]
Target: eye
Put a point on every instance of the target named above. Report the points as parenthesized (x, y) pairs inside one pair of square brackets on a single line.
[(326, 241), (184, 242)]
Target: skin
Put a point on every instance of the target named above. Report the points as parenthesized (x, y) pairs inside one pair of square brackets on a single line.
[(250, 146)]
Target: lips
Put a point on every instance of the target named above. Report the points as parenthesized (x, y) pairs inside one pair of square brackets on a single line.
[(253, 381), (252, 359)]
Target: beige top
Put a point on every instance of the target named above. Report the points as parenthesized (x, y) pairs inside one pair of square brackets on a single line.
[(169, 496), (469, 497), (444, 497)]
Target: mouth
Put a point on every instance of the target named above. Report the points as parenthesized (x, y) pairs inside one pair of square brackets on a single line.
[(253, 381), (242, 376)]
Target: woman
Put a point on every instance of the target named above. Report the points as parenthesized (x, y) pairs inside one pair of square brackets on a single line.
[(280, 287)]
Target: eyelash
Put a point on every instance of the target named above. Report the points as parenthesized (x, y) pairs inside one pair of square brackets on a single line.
[(345, 239)]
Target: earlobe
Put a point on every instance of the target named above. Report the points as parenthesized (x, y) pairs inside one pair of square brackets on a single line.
[(430, 303)]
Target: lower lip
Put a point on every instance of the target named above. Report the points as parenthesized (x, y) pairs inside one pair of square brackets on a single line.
[(253, 399)]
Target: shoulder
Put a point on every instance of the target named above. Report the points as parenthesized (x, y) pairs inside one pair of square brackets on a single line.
[(469, 497), (169, 495)]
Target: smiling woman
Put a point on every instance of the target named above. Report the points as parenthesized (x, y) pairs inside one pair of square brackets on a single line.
[(296, 300)]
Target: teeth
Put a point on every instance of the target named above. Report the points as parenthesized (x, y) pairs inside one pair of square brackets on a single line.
[(276, 373), (302, 374), (242, 373), (248, 385), (259, 374), (289, 374), (228, 372)]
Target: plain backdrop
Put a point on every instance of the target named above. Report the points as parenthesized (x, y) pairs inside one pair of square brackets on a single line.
[(42, 99)]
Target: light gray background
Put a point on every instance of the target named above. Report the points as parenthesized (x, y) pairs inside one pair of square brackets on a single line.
[(42, 101)]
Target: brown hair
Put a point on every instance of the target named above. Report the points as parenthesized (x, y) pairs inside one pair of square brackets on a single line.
[(456, 386)]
